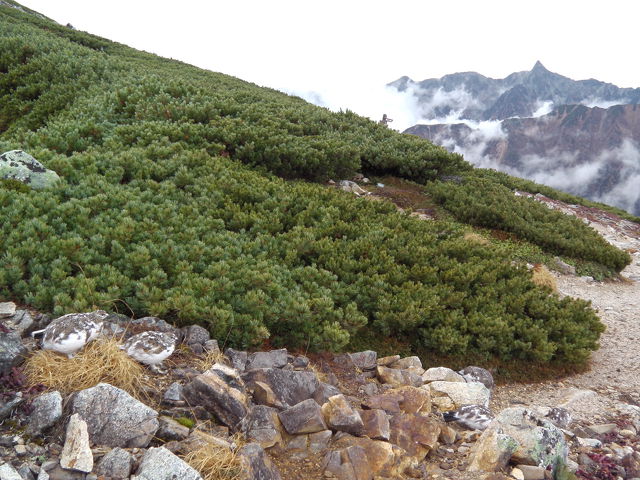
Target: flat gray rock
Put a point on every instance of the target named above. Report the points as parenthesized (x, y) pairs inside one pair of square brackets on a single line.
[(272, 359), (114, 418)]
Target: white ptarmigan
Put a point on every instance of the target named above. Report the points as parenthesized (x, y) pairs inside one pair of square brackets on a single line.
[(69, 333), (473, 417), (150, 348)]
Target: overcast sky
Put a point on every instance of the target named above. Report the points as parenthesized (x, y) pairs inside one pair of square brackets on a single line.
[(347, 50)]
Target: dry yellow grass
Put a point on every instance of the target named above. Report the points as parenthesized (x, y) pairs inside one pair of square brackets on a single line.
[(475, 238), (208, 360), (213, 460), (100, 361), (543, 277)]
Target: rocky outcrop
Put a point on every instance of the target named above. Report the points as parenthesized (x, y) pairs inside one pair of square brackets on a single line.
[(369, 418)]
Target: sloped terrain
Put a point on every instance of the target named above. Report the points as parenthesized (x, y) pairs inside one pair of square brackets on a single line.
[(188, 195)]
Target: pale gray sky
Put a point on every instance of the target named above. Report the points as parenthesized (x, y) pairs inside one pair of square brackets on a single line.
[(347, 50)]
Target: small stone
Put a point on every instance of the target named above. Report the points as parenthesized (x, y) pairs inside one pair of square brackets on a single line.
[(531, 472), (448, 435), (443, 374), (173, 393), (601, 429), (20, 450), (589, 442), (517, 473), (160, 464)]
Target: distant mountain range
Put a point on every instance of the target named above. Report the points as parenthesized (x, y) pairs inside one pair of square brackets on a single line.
[(579, 136)]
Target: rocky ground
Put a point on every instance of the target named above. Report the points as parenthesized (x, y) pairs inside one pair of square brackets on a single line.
[(274, 415)]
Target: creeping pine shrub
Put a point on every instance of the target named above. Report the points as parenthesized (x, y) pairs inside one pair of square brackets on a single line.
[(169, 204)]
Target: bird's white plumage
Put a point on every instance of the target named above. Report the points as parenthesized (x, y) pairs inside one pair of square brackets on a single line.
[(70, 333), (473, 417), (150, 348)]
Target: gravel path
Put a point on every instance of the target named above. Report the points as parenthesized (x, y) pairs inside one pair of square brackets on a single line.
[(611, 386)]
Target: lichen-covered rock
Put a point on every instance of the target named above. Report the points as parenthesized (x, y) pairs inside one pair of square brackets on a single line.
[(304, 417), (7, 472), (21, 166), (540, 442), (160, 464), (407, 362), (492, 451), (47, 410), (114, 418)]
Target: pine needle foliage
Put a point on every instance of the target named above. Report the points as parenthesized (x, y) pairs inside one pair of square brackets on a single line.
[(186, 194)]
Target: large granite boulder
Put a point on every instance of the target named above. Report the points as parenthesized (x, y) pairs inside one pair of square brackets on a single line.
[(305, 417), (21, 166), (114, 418)]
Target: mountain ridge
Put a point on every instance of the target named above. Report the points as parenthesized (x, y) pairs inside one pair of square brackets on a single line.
[(581, 137)]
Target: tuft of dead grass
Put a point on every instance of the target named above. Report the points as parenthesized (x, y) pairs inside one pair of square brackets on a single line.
[(208, 360), (542, 277), (473, 237), (213, 459), (99, 361)]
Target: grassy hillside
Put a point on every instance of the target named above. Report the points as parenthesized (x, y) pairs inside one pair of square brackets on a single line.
[(193, 196)]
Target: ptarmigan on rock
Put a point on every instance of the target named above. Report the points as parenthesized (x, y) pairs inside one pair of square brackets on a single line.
[(70, 333), (473, 417), (151, 348)]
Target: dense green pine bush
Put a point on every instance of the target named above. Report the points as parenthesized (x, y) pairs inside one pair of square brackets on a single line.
[(171, 204)]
